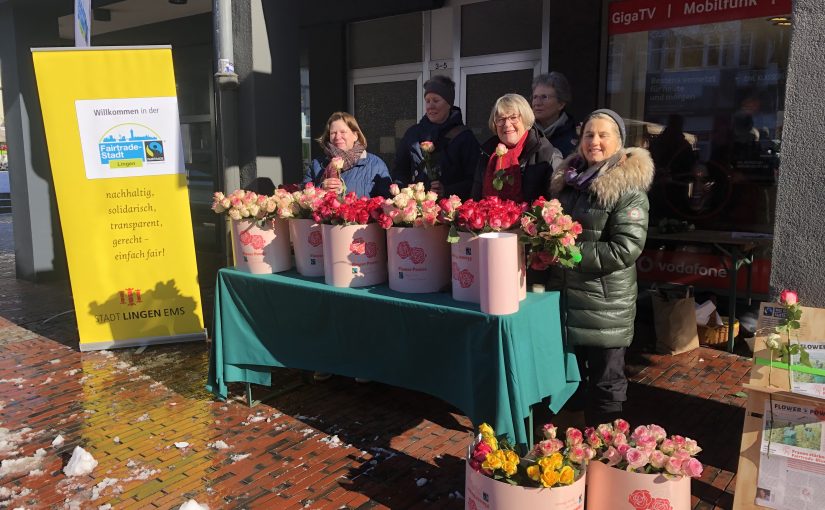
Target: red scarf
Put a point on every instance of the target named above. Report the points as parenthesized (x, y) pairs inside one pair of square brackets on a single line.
[(510, 164)]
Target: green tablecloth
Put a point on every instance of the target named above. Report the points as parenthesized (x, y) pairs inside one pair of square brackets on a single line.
[(493, 368)]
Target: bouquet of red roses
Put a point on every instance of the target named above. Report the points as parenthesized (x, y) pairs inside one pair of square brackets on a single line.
[(550, 235), (490, 214), (349, 210)]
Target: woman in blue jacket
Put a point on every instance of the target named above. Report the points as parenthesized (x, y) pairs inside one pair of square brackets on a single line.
[(364, 173), (456, 150)]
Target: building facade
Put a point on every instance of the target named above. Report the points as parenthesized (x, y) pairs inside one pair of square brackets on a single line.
[(707, 86)]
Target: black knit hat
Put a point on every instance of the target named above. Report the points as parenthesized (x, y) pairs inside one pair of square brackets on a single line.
[(613, 115), (441, 85)]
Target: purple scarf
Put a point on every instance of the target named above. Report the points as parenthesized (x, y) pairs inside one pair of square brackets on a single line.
[(580, 177)]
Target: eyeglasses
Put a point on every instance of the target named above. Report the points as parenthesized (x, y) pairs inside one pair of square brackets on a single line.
[(543, 97), (502, 121)]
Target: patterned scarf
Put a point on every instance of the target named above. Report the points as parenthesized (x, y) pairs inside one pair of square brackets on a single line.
[(510, 164), (580, 177), (350, 157)]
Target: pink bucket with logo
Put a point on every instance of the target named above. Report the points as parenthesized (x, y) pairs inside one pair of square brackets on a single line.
[(464, 254), (307, 241), (464, 259), (498, 267), (354, 255), (609, 488), (418, 258), (261, 249)]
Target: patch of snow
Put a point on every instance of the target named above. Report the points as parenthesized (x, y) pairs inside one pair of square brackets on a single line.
[(143, 417), (36, 472), (218, 445), (421, 482), (71, 372), (181, 445), (255, 419), (107, 506), (58, 441), (332, 442), (81, 463), (23, 464), (193, 505), (18, 380), (97, 489), (9, 440), (116, 439), (54, 361), (237, 457)]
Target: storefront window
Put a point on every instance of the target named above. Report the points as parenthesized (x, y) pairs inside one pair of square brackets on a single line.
[(704, 90)]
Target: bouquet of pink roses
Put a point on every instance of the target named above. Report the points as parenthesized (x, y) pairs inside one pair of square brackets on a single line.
[(410, 207), (491, 214), (241, 204), (304, 202), (550, 235), (647, 449)]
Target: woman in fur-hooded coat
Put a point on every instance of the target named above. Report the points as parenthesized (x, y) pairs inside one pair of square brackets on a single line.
[(604, 187)]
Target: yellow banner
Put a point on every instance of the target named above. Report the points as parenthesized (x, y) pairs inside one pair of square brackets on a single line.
[(112, 127)]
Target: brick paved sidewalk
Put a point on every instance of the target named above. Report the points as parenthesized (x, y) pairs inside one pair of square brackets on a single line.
[(332, 445)]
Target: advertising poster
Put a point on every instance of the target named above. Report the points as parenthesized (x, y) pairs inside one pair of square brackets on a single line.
[(113, 133), (792, 457)]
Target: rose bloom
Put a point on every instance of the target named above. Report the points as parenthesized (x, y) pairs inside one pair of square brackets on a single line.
[(612, 455), (619, 439), (549, 478), (789, 297), (674, 466), (566, 475), (636, 459), (427, 146), (534, 472), (691, 446), (692, 468), (548, 447), (501, 150), (337, 163), (574, 436), (576, 454), (668, 446), (658, 459), (657, 432)]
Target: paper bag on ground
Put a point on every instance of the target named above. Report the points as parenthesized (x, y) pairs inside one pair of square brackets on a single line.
[(674, 319)]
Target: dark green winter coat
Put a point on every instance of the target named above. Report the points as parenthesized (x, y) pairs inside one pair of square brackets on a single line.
[(599, 295)]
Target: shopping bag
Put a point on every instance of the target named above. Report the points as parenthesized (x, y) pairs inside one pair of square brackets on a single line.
[(674, 319)]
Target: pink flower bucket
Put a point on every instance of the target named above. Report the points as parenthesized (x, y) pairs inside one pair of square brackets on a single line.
[(464, 255), (261, 250), (616, 489), (498, 271), (354, 255), (418, 258), (307, 242), (483, 493)]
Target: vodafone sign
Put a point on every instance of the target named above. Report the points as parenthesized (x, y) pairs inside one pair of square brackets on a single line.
[(642, 15), (700, 269)]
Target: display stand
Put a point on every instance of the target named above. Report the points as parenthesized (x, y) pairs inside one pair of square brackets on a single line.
[(768, 385)]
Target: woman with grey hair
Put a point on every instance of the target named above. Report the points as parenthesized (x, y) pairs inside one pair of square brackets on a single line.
[(551, 95), (517, 162), (604, 187)]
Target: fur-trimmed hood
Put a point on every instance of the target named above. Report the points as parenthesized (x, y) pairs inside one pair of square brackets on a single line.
[(634, 171)]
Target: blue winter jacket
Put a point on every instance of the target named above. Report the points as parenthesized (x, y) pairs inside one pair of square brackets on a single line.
[(456, 153), (369, 177)]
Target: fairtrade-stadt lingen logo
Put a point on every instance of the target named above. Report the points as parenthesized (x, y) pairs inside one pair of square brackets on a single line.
[(130, 146)]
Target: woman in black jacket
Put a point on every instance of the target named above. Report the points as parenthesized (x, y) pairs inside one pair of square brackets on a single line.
[(517, 163), (551, 97), (456, 149), (604, 187)]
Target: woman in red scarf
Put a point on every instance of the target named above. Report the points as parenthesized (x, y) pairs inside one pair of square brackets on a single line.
[(517, 163)]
